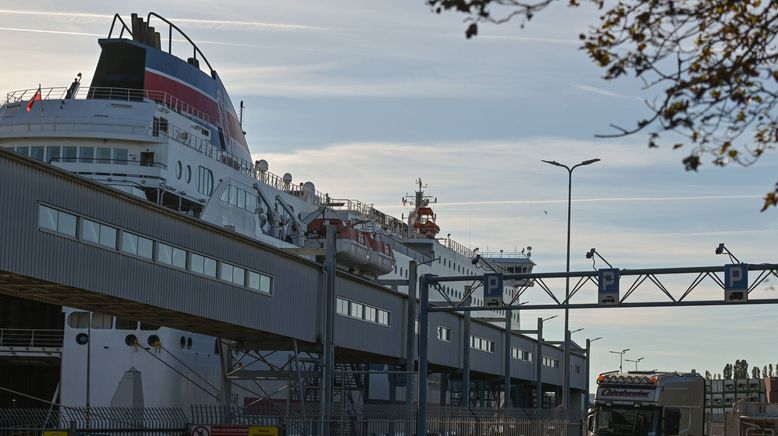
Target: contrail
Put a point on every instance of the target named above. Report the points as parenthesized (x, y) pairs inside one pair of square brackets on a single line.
[(591, 200), (280, 26), (55, 32)]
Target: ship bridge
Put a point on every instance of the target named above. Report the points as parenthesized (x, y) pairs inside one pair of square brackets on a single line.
[(70, 241)]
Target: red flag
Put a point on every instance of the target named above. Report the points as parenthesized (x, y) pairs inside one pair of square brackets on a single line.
[(36, 97)]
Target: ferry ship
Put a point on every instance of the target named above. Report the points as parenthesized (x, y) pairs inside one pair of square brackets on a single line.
[(163, 128)]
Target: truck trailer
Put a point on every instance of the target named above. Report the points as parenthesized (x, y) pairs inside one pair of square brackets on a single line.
[(648, 403)]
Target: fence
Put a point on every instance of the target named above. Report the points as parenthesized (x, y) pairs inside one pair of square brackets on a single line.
[(369, 420)]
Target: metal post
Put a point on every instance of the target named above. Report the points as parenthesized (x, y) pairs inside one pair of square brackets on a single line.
[(539, 370), (411, 334), (586, 392), (466, 353), (566, 356), (88, 371), (507, 363), (329, 326), (410, 342), (421, 419)]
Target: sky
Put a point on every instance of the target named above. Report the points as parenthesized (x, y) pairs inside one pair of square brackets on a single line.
[(364, 97)]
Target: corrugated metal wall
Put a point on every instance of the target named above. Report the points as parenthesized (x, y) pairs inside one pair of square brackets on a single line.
[(292, 311)]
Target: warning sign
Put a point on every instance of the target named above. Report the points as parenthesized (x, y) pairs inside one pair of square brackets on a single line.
[(263, 431), (200, 430)]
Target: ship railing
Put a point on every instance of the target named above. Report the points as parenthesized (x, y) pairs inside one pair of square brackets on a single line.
[(457, 247), (31, 338), (105, 93), (504, 255), (314, 197)]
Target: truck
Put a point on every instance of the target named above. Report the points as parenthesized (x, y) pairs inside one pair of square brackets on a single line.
[(648, 403)]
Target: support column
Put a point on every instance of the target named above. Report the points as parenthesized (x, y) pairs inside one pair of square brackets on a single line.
[(329, 327), (421, 419), (586, 391), (507, 363), (410, 340), (466, 353), (539, 370)]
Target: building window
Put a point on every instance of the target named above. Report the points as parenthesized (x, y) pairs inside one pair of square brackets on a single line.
[(57, 221), (69, 154), (179, 258), (259, 282), (205, 181), (137, 245), (97, 233), (444, 334), (362, 312), (103, 155), (24, 151), (37, 152), (482, 344), (164, 253), (86, 154)]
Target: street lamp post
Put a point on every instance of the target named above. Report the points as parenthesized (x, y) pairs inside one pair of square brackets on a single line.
[(636, 361), (621, 356), (566, 357), (588, 376)]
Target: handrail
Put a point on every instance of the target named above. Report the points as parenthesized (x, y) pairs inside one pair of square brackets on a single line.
[(170, 49), (109, 93), (124, 26), (31, 338)]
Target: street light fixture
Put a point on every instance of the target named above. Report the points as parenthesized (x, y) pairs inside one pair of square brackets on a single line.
[(566, 366), (635, 361), (588, 360), (621, 357)]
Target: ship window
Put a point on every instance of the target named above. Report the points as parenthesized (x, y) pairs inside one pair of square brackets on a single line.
[(103, 155), (233, 195), (120, 156), (101, 321), (52, 154), (179, 170), (188, 174), (242, 199), (37, 152), (251, 202), (164, 253), (205, 181), (86, 154), (24, 151), (78, 320), (147, 326), (126, 324), (69, 154)]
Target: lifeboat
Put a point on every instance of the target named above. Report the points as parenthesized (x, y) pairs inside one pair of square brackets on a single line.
[(424, 224), (352, 250), (382, 258)]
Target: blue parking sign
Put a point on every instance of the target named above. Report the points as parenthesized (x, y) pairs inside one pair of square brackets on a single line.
[(736, 283), (493, 289), (608, 286)]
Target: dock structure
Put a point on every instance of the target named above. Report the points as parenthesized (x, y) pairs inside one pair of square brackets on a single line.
[(69, 241)]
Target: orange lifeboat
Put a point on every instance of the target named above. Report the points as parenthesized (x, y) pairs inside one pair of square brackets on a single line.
[(424, 224), (382, 258)]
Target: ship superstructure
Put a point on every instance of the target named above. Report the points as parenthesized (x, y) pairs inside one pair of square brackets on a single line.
[(164, 129)]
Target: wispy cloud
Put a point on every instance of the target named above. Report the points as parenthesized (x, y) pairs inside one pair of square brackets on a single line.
[(193, 21), (605, 92), (593, 200), (53, 32)]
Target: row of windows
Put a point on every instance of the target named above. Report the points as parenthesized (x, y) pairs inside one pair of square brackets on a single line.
[(518, 269), (550, 362), (130, 243), (482, 344), (363, 312), (240, 198), (75, 154), (519, 354), (81, 320)]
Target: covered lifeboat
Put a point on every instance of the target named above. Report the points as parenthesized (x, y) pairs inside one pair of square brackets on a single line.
[(355, 250)]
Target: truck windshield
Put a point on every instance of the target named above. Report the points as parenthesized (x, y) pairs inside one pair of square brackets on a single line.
[(633, 421)]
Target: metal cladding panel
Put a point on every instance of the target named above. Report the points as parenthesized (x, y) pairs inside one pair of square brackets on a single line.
[(292, 310), (483, 361), (523, 369), (442, 352), (368, 336)]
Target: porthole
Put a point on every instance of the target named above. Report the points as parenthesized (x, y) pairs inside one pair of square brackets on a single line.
[(182, 343), (178, 170), (153, 340), (188, 174), (189, 343), (82, 338), (131, 340)]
